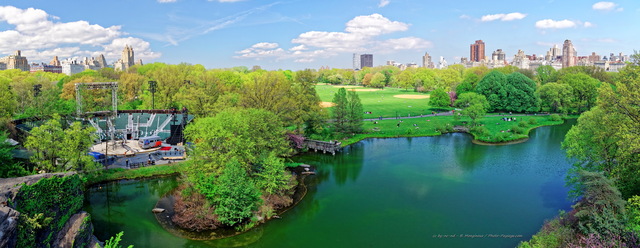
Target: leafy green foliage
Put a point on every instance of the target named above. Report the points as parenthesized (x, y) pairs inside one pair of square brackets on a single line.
[(114, 242), (633, 214), (348, 112), (58, 149), (8, 166), (544, 74), (272, 177), (553, 234), (242, 134), (556, 97), (354, 113), (464, 87), (492, 86), (439, 98), (378, 80), (584, 89), (234, 194), (341, 111), (473, 105), (521, 94), (601, 209), (47, 205)]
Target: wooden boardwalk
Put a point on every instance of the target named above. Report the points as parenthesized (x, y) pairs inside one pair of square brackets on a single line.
[(323, 146)]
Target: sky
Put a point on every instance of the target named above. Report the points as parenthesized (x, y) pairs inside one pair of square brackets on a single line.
[(299, 34)]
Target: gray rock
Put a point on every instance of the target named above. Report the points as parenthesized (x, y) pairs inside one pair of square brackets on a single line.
[(8, 227), (77, 232)]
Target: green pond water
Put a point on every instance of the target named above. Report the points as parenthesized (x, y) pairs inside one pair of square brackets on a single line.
[(439, 191)]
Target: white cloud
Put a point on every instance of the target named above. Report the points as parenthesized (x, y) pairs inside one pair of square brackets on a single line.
[(265, 45), (588, 24), (41, 37), (465, 17), (375, 24), (552, 24), (167, 1), (225, 1), (503, 17), (383, 3), (299, 48), (606, 6), (406, 43), (360, 34)]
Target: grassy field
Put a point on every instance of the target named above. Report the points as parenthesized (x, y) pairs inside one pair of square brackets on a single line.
[(497, 129), (382, 102)]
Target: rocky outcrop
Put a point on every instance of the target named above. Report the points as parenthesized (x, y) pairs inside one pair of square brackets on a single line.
[(8, 226), (77, 232)]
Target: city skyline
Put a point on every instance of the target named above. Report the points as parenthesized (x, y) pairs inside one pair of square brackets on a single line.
[(297, 35)]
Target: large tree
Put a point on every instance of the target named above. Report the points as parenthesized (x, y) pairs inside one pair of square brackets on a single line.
[(585, 89), (234, 194), (473, 105), (58, 149), (521, 95), (354, 113), (340, 111), (272, 91), (606, 138), (439, 99), (556, 97), (492, 86), (242, 134)]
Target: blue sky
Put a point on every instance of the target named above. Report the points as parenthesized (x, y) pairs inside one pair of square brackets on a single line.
[(300, 34)]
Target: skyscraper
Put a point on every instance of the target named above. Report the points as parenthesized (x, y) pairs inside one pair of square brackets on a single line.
[(477, 51), (127, 59), (356, 61), (366, 60), (426, 61), (568, 54)]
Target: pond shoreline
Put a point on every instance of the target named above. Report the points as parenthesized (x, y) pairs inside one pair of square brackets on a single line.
[(168, 200), (474, 140)]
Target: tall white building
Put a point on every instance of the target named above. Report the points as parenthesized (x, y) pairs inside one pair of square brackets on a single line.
[(356, 61)]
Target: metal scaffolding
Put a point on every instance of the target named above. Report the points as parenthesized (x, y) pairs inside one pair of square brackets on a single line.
[(96, 86)]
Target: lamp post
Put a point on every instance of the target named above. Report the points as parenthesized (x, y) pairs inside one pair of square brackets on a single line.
[(152, 87)]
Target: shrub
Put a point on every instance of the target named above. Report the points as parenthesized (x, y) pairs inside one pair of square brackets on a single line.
[(555, 117), (480, 131), (553, 234), (633, 214), (517, 129), (532, 121), (523, 124)]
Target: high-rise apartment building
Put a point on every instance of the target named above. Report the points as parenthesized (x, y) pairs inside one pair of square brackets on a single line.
[(477, 51), (568, 54), (366, 60), (15, 61), (356, 61), (499, 55), (427, 62), (126, 61)]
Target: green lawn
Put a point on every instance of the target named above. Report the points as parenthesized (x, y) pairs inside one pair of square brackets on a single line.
[(498, 130), (381, 102)]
